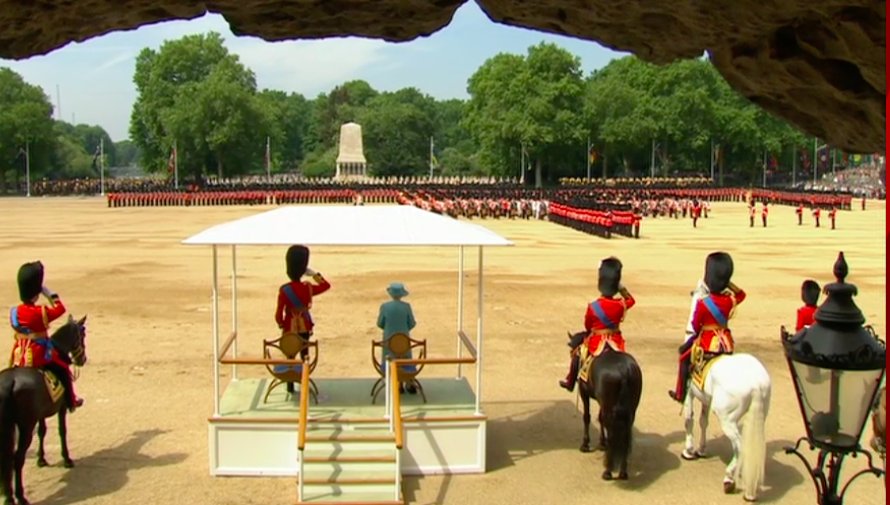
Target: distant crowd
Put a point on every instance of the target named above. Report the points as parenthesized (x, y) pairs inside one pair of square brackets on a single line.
[(599, 207)]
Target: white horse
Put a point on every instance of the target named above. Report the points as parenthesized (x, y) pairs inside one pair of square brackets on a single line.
[(738, 390)]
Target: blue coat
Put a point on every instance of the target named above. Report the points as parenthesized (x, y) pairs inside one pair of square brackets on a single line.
[(395, 317)]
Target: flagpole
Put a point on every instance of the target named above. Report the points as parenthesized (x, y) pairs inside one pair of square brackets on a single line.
[(521, 163), (268, 160), (815, 160), (588, 158), (793, 166), (175, 166), (102, 165), (712, 159), (431, 157), (28, 168)]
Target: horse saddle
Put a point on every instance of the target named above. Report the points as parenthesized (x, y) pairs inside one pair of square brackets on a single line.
[(54, 386), (701, 362), (588, 357)]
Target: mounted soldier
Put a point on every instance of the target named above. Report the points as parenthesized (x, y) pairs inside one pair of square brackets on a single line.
[(602, 320), (710, 335), (30, 322)]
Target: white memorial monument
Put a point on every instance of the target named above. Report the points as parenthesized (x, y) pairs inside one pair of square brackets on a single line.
[(351, 159)]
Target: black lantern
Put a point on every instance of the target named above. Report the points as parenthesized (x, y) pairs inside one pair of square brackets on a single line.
[(837, 366)]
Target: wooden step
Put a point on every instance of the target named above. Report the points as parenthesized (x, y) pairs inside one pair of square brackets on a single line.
[(354, 481), (349, 459), (349, 436), (351, 502)]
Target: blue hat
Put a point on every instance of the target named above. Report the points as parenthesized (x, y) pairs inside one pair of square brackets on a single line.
[(397, 290)]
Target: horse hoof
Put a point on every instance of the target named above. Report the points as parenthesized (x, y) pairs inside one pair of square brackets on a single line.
[(689, 456), (749, 499), (622, 476), (729, 487), (68, 463), (41, 462), (607, 475), (585, 448)]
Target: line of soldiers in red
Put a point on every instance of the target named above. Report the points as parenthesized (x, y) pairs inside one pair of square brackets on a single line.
[(596, 218), (214, 198)]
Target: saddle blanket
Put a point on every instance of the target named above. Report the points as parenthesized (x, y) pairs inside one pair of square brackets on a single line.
[(587, 357), (701, 365), (53, 385)]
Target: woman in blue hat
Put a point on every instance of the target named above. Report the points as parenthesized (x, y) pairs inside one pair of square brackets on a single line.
[(396, 316)]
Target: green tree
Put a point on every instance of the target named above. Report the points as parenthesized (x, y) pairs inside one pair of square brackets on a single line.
[(397, 128), (533, 101), (194, 93), (25, 118)]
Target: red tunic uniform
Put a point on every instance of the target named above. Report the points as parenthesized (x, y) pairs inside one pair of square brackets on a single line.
[(295, 302), (805, 316), (713, 333), (31, 325), (605, 325)]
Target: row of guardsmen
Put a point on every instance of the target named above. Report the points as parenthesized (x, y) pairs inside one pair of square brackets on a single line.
[(214, 198), (594, 218)]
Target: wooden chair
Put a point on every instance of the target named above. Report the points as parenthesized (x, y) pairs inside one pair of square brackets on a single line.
[(398, 345), (290, 345)]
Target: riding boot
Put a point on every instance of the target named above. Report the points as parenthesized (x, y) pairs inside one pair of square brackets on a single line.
[(72, 402), (679, 393), (569, 382)]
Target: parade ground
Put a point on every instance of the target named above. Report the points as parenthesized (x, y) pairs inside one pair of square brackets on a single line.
[(141, 436)]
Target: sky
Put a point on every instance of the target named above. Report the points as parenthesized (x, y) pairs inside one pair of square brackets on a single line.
[(95, 86)]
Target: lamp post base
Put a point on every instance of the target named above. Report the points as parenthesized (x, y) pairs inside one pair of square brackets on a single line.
[(827, 487)]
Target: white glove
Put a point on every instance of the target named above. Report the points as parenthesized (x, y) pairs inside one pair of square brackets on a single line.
[(310, 272), (48, 292)]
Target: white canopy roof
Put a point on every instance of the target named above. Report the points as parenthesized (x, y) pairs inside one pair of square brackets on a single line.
[(384, 225)]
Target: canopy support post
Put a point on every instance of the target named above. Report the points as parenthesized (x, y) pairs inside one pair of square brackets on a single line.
[(479, 340), (234, 311), (215, 324), (460, 306)]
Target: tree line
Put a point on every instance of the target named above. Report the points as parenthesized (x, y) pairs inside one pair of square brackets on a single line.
[(534, 115)]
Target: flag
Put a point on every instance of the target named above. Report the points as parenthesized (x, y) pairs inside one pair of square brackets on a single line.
[(592, 154), (96, 157), (717, 154), (171, 162), (773, 162)]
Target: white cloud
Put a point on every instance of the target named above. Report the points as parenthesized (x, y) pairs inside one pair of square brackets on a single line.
[(308, 67)]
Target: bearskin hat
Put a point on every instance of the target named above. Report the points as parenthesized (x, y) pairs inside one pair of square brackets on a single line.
[(718, 271), (809, 292), (297, 259), (30, 280), (609, 276)]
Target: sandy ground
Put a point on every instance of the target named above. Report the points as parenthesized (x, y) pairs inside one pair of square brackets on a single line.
[(142, 436)]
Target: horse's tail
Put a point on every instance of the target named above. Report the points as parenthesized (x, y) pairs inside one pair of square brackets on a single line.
[(752, 457), (619, 425)]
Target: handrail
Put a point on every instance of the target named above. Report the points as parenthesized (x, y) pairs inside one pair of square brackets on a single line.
[(467, 342), (435, 361), (396, 403), (228, 343), (259, 361), (304, 406)]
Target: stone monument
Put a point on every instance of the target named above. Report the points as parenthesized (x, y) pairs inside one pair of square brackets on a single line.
[(351, 159)]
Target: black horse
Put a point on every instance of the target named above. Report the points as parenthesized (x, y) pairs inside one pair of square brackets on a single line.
[(616, 383), (25, 402)]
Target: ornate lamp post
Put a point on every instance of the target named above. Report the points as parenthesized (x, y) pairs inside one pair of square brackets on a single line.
[(837, 366)]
